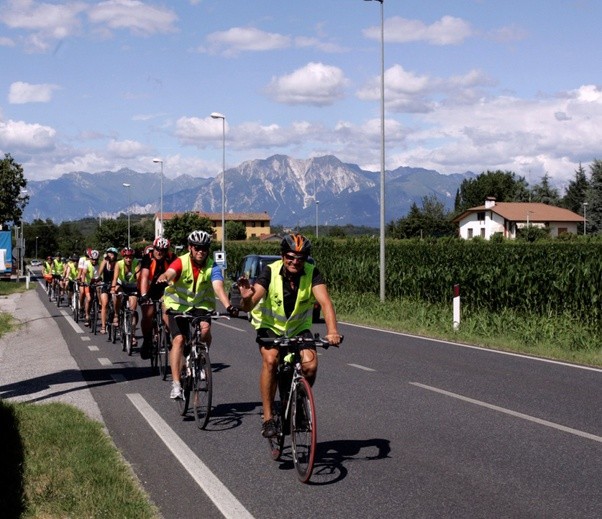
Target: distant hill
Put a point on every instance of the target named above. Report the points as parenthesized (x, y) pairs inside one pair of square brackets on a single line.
[(283, 186)]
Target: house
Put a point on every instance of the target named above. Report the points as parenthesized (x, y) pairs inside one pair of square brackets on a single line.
[(256, 224), (507, 217)]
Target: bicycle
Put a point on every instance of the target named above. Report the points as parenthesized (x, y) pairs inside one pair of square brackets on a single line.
[(126, 322), (75, 301), (196, 377), (295, 413), (112, 328), (161, 341)]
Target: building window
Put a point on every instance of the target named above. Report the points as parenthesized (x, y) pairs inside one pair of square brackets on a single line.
[(482, 233), (470, 234), (481, 216), (562, 230)]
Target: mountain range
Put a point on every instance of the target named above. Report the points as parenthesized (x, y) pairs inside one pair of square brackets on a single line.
[(284, 187)]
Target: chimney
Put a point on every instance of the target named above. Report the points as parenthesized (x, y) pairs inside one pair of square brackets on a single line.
[(489, 202)]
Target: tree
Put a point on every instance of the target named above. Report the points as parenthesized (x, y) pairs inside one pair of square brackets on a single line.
[(70, 239), (178, 228), (576, 191), (111, 233), (433, 220), (504, 186), (12, 201), (594, 199), (545, 193), (236, 231)]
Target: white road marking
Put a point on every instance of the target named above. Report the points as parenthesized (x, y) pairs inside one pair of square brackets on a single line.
[(73, 324), (461, 345), (93, 348), (359, 366), (104, 361), (230, 326), (223, 499), (85, 338), (539, 421), (118, 377)]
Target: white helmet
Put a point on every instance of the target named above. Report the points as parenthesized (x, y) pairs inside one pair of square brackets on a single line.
[(94, 254), (200, 238)]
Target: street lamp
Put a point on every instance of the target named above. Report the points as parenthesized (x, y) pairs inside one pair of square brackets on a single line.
[(36, 247), (317, 202), (584, 218), (382, 149), (217, 115), (128, 186), (161, 213)]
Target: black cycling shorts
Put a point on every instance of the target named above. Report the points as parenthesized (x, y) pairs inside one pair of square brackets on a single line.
[(180, 326)]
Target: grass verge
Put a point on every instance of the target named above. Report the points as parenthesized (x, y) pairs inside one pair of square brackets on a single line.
[(59, 463), (7, 322), (564, 337)]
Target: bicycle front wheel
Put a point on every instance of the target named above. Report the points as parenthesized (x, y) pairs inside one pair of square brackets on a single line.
[(202, 389), (183, 403), (276, 443), (127, 333), (303, 429)]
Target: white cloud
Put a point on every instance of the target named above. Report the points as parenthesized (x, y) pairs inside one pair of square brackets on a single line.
[(134, 15), (314, 84), (19, 136), (21, 93), (199, 132), (127, 148), (446, 31), (244, 39)]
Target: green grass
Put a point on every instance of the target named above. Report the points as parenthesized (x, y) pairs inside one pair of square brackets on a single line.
[(56, 462), (12, 287), (7, 322), (563, 337)]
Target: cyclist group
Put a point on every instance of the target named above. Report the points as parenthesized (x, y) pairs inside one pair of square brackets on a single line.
[(280, 302)]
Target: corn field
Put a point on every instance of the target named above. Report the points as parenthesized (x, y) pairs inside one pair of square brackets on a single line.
[(545, 278)]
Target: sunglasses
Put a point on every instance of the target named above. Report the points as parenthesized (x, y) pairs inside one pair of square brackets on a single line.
[(200, 248), (292, 257)]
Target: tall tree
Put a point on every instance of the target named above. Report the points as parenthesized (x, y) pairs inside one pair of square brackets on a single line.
[(179, 227), (432, 220), (594, 199), (576, 191), (545, 193), (504, 186), (12, 200)]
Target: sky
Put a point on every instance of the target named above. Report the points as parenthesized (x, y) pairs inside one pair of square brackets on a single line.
[(470, 85)]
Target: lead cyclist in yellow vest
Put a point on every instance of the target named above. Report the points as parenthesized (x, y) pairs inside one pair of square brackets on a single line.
[(281, 301), (196, 283)]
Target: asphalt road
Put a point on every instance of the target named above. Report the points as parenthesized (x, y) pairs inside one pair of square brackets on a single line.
[(407, 427)]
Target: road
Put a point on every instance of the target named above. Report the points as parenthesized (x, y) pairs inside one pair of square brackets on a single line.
[(407, 427)]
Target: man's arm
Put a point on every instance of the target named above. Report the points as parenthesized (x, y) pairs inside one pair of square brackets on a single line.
[(251, 295)]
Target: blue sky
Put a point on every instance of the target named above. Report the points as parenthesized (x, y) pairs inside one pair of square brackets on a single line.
[(469, 84)]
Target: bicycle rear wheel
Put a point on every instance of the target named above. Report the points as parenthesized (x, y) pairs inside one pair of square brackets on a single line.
[(202, 389), (155, 350), (126, 333), (163, 353), (276, 443), (303, 429)]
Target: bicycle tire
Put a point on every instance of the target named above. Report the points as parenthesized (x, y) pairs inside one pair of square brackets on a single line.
[(127, 332), (202, 389), (154, 358), (94, 317), (163, 353), (76, 306), (183, 403), (303, 429), (276, 443)]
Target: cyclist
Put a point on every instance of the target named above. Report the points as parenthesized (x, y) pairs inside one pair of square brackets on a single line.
[(88, 275), (47, 272), (82, 267), (152, 265), (57, 272), (125, 281), (281, 301), (196, 283), (70, 274), (106, 273)]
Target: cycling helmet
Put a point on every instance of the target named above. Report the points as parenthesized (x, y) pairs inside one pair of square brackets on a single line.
[(94, 254), (200, 238), (295, 243), (161, 243), (88, 252), (73, 257), (57, 255), (113, 250), (127, 251)]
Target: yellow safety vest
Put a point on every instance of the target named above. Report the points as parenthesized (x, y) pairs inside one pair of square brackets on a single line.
[(131, 276), (57, 267), (72, 270), (182, 295), (269, 313)]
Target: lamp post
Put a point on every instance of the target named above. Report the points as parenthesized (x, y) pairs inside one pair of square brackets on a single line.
[(317, 202), (128, 186), (36, 247), (382, 149), (161, 200), (584, 218), (217, 115)]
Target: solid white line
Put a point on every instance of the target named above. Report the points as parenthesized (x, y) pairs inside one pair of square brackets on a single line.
[(472, 347), (73, 324), (223, 499), (358, 366), (230, 326), (539, 421), (104, 361)]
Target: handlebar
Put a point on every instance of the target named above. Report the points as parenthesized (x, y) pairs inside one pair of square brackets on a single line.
[(285, 342)]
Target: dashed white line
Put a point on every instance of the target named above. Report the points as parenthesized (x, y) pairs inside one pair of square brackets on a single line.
[(223, 499), (73, 324), (359, 366), (93, 348), (539, 421), (104, 361)]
